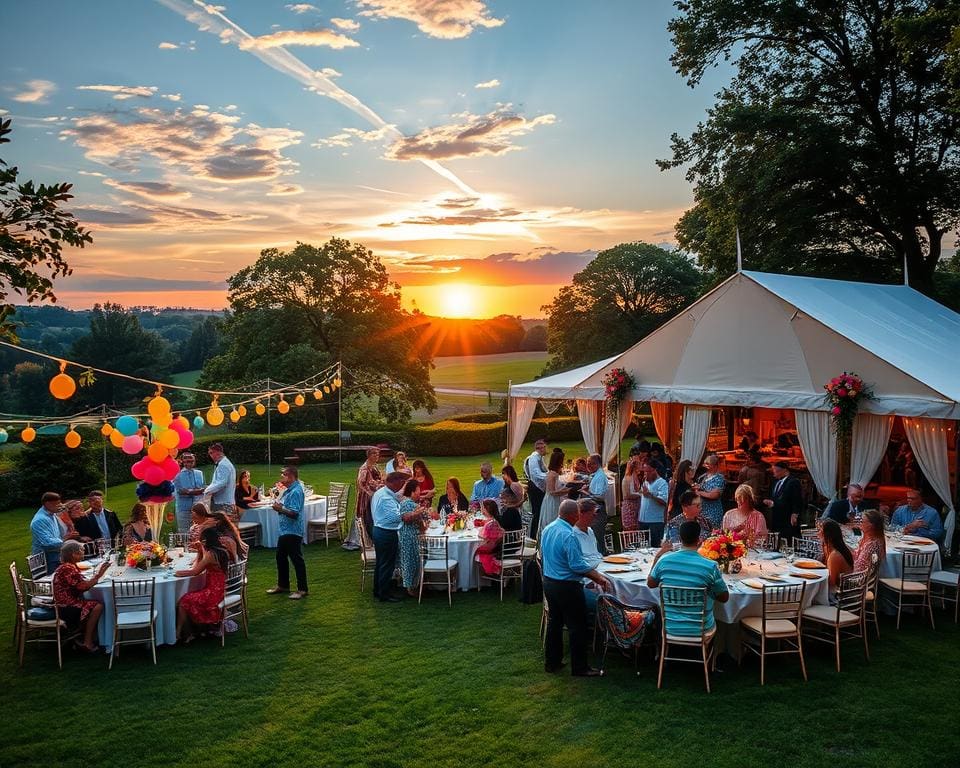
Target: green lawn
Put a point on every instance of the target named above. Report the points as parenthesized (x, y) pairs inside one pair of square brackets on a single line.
[(487, 372), (338, 680), (186, 378)]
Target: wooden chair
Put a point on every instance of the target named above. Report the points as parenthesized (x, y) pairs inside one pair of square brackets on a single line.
[(630, 540), (134, 610), (779, 623), (436, 567), (772, 541), (368, 555), (870, 600), (234, 603), (686, 604), (623, 626), (342, 492), (806, 547), (844, 621), (37, 565), (39, 620), (942, 584), (511, 566), (912, 589)]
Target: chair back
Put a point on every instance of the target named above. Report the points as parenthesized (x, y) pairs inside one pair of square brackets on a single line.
[(804, 546), (773, 541), (434, 548), (178, 540), (873, 574), (103, 546), (90, 549), (917, 566), (236, 575), (634, 540), (783, 602), (342, 491), (133, 595), (30, 589), (683, 608), (852, 592), (511, 545), (37, 564), (365, 542), (624, 625), (17, 591)]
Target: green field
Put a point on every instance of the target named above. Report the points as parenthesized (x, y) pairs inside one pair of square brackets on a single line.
[(186, 378), (487, 372)]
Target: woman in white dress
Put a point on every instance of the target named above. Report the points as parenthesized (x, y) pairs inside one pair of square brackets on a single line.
[(555, 491)]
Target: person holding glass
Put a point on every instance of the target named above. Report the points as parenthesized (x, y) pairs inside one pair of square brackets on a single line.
[(710, 490), (69, 587)]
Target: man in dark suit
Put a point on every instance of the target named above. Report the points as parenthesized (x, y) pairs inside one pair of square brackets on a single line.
[(98, 523), (846, 510), (787, 502)]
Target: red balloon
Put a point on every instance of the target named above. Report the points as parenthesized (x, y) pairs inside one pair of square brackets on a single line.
[(186, 439), (154, 475), (138, 469), (170, 468)]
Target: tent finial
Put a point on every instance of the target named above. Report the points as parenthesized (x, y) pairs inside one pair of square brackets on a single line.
[(906, 270), (739, 253)]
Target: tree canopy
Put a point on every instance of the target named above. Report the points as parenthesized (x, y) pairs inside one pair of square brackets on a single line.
[(622, 295), (834, 148)]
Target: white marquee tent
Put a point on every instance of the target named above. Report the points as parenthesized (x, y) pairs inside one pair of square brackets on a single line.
[(772, 341)]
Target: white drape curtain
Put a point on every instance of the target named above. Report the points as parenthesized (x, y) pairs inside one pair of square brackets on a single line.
[(928, 439), (666, 420), (613, 431), (871, 434), (521, 414), (696, 427), (819, 448), (589, 412)]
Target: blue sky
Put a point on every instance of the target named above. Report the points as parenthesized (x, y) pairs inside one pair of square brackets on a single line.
[(485, 149)]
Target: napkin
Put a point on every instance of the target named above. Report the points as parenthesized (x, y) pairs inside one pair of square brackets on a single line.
[(754, 583)]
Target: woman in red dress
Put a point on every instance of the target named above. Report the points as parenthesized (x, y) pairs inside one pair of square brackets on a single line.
[(490, 536), (203, 606), (68, 588)]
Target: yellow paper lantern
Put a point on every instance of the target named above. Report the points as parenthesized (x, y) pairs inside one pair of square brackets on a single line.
[(283, 406), (158, 407), (242, 410), (326, 389), (234, 417), (260, 409), (298, 400), (183, 421), (337, 382), (158, 451), (116, 438), (317, 394), (169, 438), (28, 435), (215, 416), (106, 429), (62, 386), (72, 439)]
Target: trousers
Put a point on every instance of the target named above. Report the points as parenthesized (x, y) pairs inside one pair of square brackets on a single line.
[(566, 605), (288, 546), (386, 544)]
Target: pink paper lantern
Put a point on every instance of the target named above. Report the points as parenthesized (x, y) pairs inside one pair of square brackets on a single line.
[(132, 444)]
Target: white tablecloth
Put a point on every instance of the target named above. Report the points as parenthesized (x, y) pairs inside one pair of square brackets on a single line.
[(313, 509), (462, 547), (892, 566)]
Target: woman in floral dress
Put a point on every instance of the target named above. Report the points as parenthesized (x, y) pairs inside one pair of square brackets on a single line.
[(202, 608), (369, 481), (412, 515), (68, 588), (710, 491), (630, 488)]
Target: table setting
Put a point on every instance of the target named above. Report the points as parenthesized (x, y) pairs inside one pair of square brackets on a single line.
[(462, 546), (897, 543), (314, 508)]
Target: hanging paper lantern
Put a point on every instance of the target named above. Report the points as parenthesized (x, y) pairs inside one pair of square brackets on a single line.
[(326, 389), (72, 439), (158, 407), (3, 436), (127, 425), (283, 406), (163, 421), (260, 408), (106, 429), (186, 440), (157, 452), (242, 410), (337, 382), (234, 416), (117, 438), (169, 438), (298, 400), (28, 435), (132, 444), (182, 421), (215, 416), (317, 394), (62, 386), (198, 421)]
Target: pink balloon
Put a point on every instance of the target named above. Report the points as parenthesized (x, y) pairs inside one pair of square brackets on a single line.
[(138, 469), (170, 468), (132, 444), (154, 475), (186, 439)]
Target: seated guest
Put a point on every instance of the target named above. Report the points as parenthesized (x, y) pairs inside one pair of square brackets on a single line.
[(399, 464), (230, 539), (871, 543), (68, 588), (490, 536), (580, 466), (488, 486), (688, 568), (245, 494), (452, 499), (200, 519), (587, 539), (138, 529), (838, 557), (422, 475), (71, 515), (202, 607), (745, 518), (99, 522), (689, 511), (45, 530), (918, 519), (843, 511), (511, 499)]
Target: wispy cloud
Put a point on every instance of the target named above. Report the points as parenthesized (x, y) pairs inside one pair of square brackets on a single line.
[(165, 46), (347, 25), (326, 38), (153, 190), (299, 8), (156, 217), (471, 136), (285, 190), (348, 136), (447, 19), (35, 91), (488, 84), (122, 92)]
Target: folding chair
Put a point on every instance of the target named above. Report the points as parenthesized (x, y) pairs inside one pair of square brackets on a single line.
[(844, 621), (912, 589), (511, 564), (37, 565), (133, 609), (632, 540), (40, 621), (368, 555), (435, 562), (234, 603), (623, 626), (686, 604), (779, 623), (804, 546)]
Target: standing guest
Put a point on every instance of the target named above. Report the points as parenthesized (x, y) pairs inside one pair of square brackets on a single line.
[(658, 454), (488, 486), (385, 508), (710, 489), (187, 485), (653, 502), (846, 510), (564, 569), (680, 483), (201, 608), (554, 491), (245, 494), (200, 520), (427, 487), (536, 471), (69, 518), (749, 442), (223, 483), (511, 499), (369, 481), (587, 540), (918, 518), (688, 568), (630, 491), (873, 542), (45, 531), (745, 518), (597, 490), (99, 523), (490, 537), (290, 509), (640, 446), (411, 513), (138, 527), (787, 502), (839, 559), (452, 499), (689, 505), (399, 464), (754, 473), (69, 587)]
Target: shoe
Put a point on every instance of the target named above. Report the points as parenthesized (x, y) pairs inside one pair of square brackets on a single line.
[(589, 672), (390, 599), (296, 595), (277, 591), (553, 669)]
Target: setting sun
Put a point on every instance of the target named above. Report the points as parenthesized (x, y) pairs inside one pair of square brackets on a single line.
[(457, 300)]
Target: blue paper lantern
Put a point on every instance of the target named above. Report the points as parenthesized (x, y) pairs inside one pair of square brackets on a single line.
[(127, 425), (198, 422), (3, 436)]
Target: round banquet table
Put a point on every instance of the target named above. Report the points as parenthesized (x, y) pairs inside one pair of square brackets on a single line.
[(629, 585), (462, 546), (315, 508), (892, 566)]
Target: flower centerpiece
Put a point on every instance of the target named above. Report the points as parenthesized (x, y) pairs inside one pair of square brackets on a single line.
[(723, 547), (457, 521), (617, 384), (146, 553), (844, 395)]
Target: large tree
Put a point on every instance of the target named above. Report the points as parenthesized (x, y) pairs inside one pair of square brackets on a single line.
[(833, 149), (33, 231), (622, 295), (296, 311)]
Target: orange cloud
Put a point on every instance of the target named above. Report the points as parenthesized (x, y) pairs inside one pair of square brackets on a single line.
[(447, 19), (326, 38)]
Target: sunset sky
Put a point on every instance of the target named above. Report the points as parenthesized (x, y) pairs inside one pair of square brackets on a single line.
[(485, 150)]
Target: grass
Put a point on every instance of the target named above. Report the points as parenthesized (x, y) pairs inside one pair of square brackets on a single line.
[(186, 378), (338, 680), (487, 372)]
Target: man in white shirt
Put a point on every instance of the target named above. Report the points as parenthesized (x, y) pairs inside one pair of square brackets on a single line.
[(536, 472), (223, 485), (597, 490), (587, 539), (653, 502)]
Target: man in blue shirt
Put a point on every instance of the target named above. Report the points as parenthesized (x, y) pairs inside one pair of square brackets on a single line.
[(385, 510), (688, 568), (653, 502), (290, 508), (223, 486), (918, 519), (597, 490), (45, 531), (188, 484), (564, 568), (488, 486)]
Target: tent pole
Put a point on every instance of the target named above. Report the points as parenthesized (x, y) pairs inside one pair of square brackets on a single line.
[(269, 436), (340, 415)]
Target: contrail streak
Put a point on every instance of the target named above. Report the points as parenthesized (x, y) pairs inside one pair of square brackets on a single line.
[(208, 19)]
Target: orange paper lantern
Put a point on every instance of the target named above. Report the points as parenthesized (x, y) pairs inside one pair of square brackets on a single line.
[(260, 409), (116, 438), (283, 406), (106, 429), (28, 435), (62, 386), (72, 439)]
